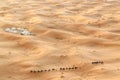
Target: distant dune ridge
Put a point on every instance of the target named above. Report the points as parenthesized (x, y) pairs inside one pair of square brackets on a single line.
[(67, 34)]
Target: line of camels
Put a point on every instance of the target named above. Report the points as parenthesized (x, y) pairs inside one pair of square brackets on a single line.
[(65, 68), (70, 68)]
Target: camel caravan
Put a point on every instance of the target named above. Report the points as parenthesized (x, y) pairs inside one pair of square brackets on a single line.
[(98, 62), (49, 70), (64, 68)]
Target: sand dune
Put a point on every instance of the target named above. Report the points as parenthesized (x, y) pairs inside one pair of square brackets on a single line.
[(67, 33)]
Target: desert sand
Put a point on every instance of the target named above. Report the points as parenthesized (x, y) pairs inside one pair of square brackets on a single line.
[(67, 33)]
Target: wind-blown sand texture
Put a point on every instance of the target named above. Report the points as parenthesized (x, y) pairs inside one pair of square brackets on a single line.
[(66, 33)]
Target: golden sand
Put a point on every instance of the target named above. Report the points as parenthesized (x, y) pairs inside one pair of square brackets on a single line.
[(66, 33)]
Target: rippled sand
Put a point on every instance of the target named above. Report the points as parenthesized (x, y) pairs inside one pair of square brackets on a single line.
[(66, 33)]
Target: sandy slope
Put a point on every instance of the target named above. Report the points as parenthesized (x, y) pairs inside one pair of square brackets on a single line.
[(67, 33)]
